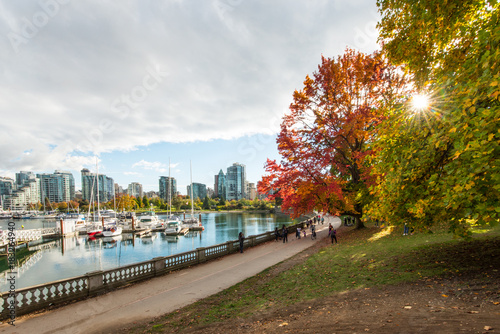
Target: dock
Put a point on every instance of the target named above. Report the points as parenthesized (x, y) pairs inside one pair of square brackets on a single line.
[(183, 231), (140, 232)]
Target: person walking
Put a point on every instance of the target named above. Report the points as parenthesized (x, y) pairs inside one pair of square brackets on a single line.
[(333, 235), (285, 234), (406, 230), (276, 233), (241, 239)]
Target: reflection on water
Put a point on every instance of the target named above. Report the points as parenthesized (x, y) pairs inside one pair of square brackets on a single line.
[(75, 256)]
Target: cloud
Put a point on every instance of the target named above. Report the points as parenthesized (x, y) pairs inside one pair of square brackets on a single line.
[(156, 166), (106, 76)]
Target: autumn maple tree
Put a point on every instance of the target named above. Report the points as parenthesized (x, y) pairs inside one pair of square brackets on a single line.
[(325, 138), (441, 164)]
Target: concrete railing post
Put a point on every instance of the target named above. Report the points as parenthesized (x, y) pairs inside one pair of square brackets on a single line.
[(95, 281), (229, 246), (201, 255), (252, 240), (159, 265)]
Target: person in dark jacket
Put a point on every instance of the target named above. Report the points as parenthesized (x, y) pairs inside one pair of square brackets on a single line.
[(276, 233), (333, 235), (241, 239), (285, 234)]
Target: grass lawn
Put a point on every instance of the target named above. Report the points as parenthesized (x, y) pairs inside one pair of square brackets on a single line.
[(363, 259)]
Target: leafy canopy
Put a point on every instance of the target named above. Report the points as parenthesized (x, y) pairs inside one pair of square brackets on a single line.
[(325, 139), (441, 165)]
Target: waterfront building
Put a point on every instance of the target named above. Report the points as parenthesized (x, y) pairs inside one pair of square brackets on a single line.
[(89, 186), (22, 177), (68, 184), (78, 195), (220, 185), (235, 182), (118, 189), (25, 197), (57, 187), (251, 191), (6, 189), (135, 189), (6, 186), (199, 191), (167, 185)]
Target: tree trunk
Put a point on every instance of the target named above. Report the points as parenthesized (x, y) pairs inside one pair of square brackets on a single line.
[(359, 223)]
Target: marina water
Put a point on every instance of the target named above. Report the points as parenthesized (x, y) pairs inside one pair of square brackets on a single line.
[(74, 256)]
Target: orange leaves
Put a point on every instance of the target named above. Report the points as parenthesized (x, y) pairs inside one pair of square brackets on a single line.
[(325, 139)]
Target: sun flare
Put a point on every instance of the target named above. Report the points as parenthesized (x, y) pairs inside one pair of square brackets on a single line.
[(420, 102)]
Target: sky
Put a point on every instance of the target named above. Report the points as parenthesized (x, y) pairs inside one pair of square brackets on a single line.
[(134, 84)]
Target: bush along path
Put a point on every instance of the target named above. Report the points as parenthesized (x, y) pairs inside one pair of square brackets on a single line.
[(374, 280)]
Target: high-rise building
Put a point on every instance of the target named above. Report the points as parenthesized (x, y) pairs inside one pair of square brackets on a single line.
[(23, 177), (68, 184), (57, 187), (235, 182), (220, 185), (168, 185), (251, 191), (135, 189), (6, 186), (6, 189), (89, 186), (199, 190), (118, 189)]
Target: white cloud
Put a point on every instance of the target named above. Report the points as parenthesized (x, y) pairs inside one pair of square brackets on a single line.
[(156, 166), (107, 76)]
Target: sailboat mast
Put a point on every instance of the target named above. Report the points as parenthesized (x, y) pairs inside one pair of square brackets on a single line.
[(97, 177), (191, 172), (169, 191)]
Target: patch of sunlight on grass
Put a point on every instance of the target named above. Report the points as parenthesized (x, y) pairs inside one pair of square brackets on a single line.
[(357, 256), (384, 233), (480, 230)]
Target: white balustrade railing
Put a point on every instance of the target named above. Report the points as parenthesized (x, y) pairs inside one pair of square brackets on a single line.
[(41, 296)]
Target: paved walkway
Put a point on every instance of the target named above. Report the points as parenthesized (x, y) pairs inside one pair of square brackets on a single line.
[(163, 294)]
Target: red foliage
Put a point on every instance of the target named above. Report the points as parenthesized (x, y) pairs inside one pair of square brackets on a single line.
[(325, 138)]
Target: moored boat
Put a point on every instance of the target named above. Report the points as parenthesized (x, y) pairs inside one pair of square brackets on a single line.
[(112, 231)]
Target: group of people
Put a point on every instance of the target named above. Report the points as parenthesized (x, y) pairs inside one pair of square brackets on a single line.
[(283, 232), (348, 221)]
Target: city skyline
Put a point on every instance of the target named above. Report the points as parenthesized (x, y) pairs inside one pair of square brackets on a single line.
[(133, 188), (206, 82)]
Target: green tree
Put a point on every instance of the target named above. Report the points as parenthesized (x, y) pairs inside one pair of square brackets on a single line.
[(206, 203), (145, 201), (441, 164), (177, 201)]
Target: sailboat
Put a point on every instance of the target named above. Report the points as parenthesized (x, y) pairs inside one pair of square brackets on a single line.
[(192, 222), (95, 229), (173, 225)]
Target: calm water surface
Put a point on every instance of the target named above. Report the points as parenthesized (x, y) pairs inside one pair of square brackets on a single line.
[(75, 256)]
